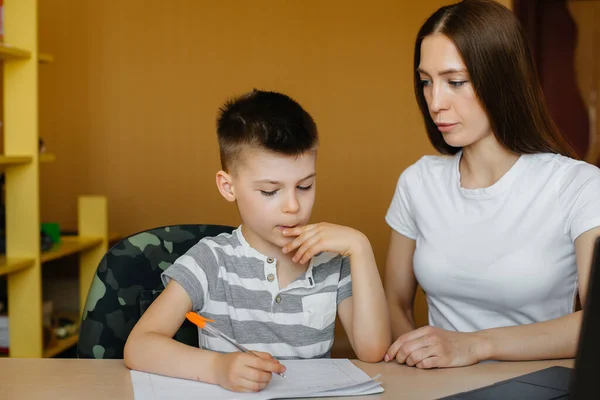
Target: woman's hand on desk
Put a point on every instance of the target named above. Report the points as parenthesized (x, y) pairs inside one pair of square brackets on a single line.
[(430, 347), (244, 372)]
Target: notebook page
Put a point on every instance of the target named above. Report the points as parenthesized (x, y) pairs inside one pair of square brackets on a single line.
[(360, 390), (304, 377)]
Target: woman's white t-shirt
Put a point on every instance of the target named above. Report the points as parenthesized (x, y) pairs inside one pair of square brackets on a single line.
[(502, 255)]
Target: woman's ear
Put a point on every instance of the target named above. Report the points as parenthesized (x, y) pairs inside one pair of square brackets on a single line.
[(225, 185)]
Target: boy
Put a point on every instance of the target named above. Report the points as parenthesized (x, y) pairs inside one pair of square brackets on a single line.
[(275, 283)]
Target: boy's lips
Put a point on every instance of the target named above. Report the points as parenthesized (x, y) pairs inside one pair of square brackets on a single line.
[(282, 227)]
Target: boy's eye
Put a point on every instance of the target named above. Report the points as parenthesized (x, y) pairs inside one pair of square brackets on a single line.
[(457, 83), (265, 193), (305, 187)]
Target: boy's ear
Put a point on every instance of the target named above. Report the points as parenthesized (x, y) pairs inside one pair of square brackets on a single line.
[(225, 185)]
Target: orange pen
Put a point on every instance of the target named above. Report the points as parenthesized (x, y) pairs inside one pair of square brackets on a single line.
[(202, 322)]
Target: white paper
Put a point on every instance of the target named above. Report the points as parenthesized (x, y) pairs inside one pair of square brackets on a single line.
[(305, 378)]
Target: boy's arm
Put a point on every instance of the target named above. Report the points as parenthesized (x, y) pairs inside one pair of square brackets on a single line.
[(150, 347), (365, 314)]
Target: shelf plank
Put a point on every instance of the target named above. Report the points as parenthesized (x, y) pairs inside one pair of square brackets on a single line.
[(70, 245), (60, 346), (14, 264), (7, 161), (8, 52), (47, 157), (63, 344), (45, 58)]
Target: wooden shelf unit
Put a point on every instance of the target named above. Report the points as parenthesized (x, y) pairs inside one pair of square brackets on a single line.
[(8, 52), (70, 245), (60, 346), (20, 163), (12, 265), (9, 161), (45, 58), (47, 157)]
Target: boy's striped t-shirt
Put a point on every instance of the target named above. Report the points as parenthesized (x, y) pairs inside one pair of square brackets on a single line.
[(236, 286)]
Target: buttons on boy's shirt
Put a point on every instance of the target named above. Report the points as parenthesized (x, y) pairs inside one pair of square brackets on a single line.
[(270, 260), (278, 299), (271, 277)]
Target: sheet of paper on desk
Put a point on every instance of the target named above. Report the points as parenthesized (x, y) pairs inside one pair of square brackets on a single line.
[(305, 378)]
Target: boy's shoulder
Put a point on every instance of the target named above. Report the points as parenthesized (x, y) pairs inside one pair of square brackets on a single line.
[(213, 248), (228, 250), (222, 240), (228, 243)]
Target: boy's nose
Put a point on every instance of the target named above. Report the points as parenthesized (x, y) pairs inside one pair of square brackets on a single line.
[(291, 204)]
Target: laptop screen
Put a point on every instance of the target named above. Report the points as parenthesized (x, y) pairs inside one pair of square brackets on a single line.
[(585, 378)]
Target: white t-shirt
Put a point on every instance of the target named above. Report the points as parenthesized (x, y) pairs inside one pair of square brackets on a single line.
[(502, 255)]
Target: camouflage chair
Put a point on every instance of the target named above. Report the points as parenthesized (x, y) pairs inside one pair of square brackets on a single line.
[(127, 281)]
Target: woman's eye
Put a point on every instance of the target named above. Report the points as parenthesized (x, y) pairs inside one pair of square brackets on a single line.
[(457, 83), (304, 187), (265, 193)]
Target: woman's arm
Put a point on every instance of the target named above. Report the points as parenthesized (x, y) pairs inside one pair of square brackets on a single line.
[(552, 339), (430, 347)]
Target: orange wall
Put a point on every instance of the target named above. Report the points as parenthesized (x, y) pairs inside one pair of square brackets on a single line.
[(129, 104)]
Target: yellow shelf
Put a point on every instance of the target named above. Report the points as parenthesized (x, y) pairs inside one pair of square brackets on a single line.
[(70, 245), (7, 161), (8, 52), (47, 157), (60, 346), (45, 58), (63, 344), (14, 264)]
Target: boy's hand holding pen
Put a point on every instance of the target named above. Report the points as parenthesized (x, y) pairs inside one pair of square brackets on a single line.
[(246, 371)]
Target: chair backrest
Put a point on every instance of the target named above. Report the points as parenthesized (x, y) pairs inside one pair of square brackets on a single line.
[(128, 280)]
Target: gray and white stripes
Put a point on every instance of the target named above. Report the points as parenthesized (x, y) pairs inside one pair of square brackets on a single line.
[(232, 283)]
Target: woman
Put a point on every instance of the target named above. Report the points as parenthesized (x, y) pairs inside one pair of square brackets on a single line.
[(499, 232)]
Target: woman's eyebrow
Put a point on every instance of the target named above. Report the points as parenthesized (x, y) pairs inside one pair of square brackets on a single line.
[(444, 72)]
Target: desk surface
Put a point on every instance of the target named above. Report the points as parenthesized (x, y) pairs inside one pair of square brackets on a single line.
[(63, 379)]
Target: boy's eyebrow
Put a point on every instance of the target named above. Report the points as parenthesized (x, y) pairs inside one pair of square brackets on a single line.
[(277, 182), (444, 72)]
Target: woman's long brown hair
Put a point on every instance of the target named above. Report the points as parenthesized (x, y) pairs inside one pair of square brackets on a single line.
[(495, 51)]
